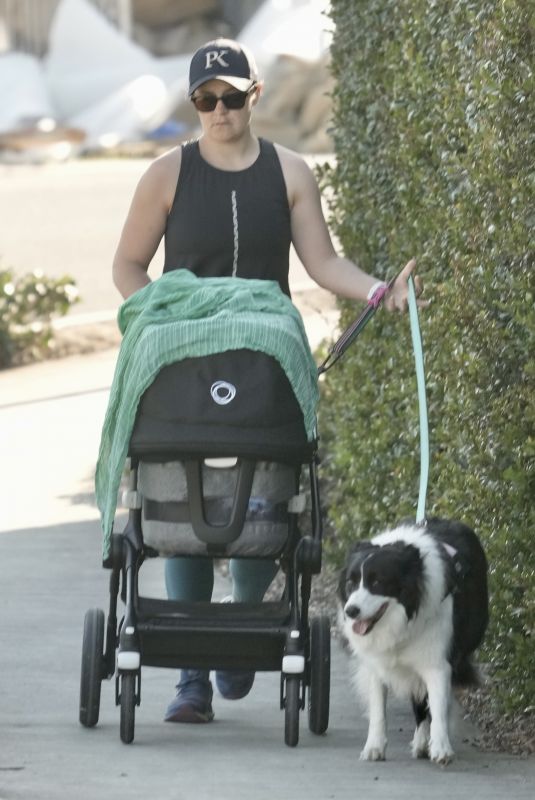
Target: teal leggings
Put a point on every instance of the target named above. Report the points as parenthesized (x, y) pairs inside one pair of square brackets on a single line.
[(192, 579)]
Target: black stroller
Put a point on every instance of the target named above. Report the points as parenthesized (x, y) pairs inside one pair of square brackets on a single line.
[(215, 471)]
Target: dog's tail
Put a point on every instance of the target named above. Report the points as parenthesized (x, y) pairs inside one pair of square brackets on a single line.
[(465, 674)]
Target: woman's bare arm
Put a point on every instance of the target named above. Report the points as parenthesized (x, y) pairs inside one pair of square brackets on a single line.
[(145, 224), (313, 244)]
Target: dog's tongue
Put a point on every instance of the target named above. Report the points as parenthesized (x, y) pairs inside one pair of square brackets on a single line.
[(362, 626)]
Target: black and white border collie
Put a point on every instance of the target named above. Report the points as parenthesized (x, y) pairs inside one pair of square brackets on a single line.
[(413, 608)]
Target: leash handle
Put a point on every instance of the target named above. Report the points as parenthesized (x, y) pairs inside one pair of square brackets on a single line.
[(422, 402), (350, 334)]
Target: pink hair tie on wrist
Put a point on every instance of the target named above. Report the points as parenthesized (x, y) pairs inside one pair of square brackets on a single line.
[(377, 293)]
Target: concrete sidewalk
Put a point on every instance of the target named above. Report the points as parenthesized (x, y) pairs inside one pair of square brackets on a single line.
[(50, 574)]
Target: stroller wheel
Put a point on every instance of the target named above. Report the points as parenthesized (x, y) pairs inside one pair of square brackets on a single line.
[(128, 706), (292, 703), (320, 674), (92, 667)]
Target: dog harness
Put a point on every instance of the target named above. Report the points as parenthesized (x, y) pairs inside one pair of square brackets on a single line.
[(455, 569)]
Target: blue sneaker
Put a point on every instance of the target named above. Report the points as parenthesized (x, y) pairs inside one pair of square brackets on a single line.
[(234, 684), (193, 701)]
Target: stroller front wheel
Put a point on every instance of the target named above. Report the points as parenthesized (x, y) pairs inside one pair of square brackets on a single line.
[(92, 667), (320, 675), (128, 706), (292, 704)]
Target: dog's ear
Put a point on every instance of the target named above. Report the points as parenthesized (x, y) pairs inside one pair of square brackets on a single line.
[(342, 580), (412, 586), (362, 546)]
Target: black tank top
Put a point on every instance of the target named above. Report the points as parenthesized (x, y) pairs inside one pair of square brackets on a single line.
[(226, 223)]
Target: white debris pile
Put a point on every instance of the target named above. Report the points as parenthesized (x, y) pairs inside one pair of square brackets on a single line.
[(168, 27), (98, 89)]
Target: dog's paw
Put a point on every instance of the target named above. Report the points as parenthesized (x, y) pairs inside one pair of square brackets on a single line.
[(420, 742), (373, 753), (420, 751), (441, 755)]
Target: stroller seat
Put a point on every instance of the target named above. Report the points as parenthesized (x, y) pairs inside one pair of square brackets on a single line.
[(167, 519)]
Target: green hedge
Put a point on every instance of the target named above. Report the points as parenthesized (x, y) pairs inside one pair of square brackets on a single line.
[(28, 305), (434, 130)]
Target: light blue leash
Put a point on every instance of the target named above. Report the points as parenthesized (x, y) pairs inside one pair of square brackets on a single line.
[(339, 348), (422, 402)]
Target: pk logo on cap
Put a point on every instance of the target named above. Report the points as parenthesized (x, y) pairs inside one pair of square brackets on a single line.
[(216, 55)]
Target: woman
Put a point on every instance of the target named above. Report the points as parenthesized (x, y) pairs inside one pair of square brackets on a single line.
[(230, 204)]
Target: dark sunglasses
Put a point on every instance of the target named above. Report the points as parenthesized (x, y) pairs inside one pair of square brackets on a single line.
[(231, 100)]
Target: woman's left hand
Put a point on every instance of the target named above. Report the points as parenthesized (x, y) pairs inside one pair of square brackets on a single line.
[(397, 299)]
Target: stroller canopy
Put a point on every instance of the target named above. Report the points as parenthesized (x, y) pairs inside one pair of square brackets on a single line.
[(179, 317)]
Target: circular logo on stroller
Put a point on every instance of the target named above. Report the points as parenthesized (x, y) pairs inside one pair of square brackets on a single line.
[(223, 392)]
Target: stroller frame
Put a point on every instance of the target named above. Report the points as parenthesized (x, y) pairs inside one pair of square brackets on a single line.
[(266, 636)]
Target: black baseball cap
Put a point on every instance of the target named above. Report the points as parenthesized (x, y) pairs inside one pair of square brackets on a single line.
[(225, 60)]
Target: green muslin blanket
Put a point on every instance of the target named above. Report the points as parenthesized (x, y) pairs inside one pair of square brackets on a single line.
[(180, 316)]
